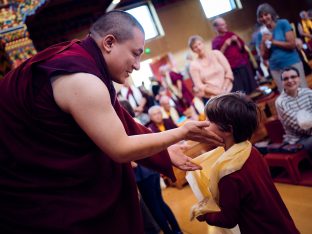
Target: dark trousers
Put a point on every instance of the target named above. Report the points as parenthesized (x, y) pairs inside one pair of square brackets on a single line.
[(151, 193), (244, 79)]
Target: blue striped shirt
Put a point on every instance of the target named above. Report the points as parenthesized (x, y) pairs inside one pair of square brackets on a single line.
[(287, 108)]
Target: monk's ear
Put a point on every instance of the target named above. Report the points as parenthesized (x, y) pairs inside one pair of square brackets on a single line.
[(108, 42)]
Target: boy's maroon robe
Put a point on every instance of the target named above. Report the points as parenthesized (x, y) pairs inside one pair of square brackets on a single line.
[(53, 178)]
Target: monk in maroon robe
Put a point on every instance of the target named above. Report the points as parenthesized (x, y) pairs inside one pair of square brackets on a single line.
[(66, 143)]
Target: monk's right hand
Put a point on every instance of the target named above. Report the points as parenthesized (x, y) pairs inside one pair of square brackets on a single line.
[(196, 131)]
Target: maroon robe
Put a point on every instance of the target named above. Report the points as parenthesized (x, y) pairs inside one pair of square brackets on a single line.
[(236, 56), (249, 198), (187, 96), (53, 178)]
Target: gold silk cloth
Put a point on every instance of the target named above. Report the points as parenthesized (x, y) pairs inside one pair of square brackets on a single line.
[(216, 164)]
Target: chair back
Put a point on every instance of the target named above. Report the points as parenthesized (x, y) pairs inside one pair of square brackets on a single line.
[(275, 130)]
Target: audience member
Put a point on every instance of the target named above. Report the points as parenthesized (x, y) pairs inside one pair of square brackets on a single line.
[(136, 99), (188, 59), (177, 87), (168, 110), (294, 108), (239, 180), (158, 123), (149, 185), (210, 71), (233, 48), (278, 46), (305, 28)]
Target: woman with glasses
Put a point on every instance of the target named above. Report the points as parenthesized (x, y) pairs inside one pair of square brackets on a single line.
[(294, 108), (279, 45)]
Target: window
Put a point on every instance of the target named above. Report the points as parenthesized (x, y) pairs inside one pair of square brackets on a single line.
[(143, 74), (217, 7), (146, 15)]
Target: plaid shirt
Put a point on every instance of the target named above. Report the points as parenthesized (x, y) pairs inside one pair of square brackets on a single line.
[(287, 108)]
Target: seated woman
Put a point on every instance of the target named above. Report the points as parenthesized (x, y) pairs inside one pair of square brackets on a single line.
[(293, 104), (210, 71)]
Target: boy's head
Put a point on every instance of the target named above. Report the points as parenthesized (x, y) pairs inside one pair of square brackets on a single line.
[(233, 113)]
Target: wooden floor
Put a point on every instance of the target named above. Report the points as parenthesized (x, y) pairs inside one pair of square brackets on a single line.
[(298, 200)]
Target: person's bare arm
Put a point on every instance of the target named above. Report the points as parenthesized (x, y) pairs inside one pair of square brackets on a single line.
[(228, 77), (290, 42), (199, 86), (87, 99), (179, 89)]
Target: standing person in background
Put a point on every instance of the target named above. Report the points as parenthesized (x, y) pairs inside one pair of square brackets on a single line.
[(305, 28), (137, 100), (233, 48), (210, 71), (174, 82), (279, 46), (150, 186), (66, 143)]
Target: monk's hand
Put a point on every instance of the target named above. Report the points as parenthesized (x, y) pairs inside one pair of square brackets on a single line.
[(197, 131), (179, 159)]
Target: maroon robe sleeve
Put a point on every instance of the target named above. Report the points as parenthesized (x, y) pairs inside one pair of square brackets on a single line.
[(229, 204)]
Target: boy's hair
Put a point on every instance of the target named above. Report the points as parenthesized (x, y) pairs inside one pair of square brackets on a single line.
[(234, 112)]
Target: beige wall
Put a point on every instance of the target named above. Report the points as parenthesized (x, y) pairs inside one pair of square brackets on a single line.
[(186, 17)]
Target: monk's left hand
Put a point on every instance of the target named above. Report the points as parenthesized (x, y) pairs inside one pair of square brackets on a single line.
[(180, 160)]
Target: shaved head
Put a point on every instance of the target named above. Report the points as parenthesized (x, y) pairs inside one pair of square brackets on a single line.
[(120, 24)]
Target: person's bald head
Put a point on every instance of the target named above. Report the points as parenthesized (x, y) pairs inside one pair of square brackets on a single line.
[(220, 25)]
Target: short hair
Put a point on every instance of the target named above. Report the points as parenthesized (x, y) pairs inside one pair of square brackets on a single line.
[(234, 112), (267, 8), (118, 23), (215, 21), (302, 14), (289, 69), (193, 39), (151, 109)]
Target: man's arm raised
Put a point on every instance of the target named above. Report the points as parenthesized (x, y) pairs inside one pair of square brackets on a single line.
[(87, 99)]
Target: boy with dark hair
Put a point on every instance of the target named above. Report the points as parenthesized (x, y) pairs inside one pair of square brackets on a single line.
[(239, 183)]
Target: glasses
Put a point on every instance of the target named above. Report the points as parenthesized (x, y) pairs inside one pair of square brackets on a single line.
[(286, 78)]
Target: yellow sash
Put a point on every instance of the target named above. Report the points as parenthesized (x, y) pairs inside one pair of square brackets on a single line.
[(216, 164), (307, 28)]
